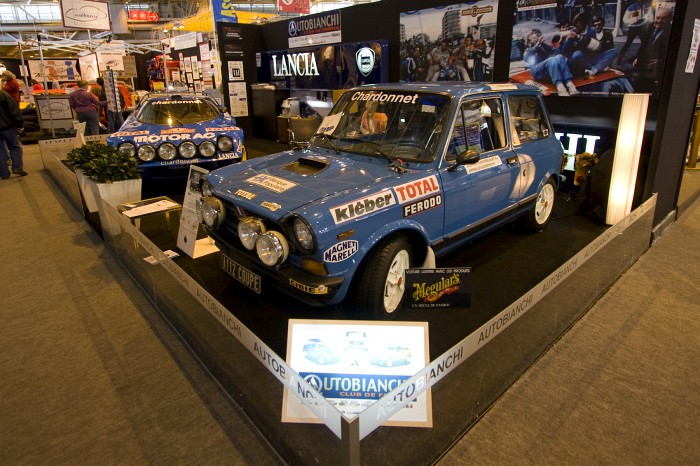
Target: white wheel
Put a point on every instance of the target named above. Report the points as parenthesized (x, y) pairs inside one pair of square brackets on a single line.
[(395, 283), (538, 217)]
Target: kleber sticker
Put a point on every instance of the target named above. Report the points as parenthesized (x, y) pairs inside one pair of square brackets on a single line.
[(417, 189), (340, 251), (362, 207), (273, 183), (422, 205), (484, 164)]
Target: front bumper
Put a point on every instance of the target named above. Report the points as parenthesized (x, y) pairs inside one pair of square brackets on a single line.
[(307, 288)]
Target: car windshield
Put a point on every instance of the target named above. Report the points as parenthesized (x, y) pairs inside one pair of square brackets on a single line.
[(390, 123), (177, 112)]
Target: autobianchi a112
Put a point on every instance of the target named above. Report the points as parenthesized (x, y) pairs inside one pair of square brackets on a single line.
[(396, 176), (169, 132)]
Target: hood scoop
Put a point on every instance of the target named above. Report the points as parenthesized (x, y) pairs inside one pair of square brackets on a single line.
[(308, 165)]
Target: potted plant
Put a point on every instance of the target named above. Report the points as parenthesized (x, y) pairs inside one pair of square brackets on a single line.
[(77, 159), (111, 175)]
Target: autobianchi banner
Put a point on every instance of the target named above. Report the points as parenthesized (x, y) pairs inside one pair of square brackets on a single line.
[(323, 28)]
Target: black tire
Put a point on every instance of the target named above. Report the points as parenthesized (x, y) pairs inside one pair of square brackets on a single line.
[(384, 272), (540, 213)]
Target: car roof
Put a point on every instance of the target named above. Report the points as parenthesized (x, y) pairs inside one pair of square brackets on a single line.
[(454, 88)]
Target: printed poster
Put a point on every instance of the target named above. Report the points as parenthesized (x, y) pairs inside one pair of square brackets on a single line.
[(61, 70), (352, 364), (591, 48), (449, 43), (238, 99)]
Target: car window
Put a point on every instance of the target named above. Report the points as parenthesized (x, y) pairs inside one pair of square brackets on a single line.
[(402, 124), (528, 122), (478, 127), (177, 112)]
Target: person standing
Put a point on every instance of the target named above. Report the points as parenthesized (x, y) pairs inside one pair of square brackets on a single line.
[(85, 105), (11, 86), (638, 17), (10, 122), (651, 56)]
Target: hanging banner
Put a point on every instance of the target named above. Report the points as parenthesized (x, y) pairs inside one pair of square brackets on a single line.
[(110, 61), (184, 41), (224, 11), (60, 70), (82, 14), (89, 69), (323, 28), (294, 6)]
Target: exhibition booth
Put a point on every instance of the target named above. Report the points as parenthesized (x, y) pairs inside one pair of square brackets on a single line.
[(334, 383)]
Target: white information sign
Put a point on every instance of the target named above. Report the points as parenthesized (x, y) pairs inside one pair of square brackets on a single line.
[(189, 223), (238, 98), (355, 363), (83, 14), (185, 41)]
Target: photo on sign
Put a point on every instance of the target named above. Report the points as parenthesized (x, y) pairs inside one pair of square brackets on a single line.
[(449, 43), (437, 288), (593, 49), (352, 364)]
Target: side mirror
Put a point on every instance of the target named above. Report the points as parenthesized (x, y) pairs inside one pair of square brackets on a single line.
[(467, 157)]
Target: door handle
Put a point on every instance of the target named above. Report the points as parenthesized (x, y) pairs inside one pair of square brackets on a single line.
[(512, 160)]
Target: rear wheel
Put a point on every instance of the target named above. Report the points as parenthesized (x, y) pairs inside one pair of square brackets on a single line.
[(383, 280), (538, 217)]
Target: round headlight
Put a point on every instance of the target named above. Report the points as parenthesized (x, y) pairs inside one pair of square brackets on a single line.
[(303, 234), (249, 229), (188, 149), (146, 153), (212, 212), (127, 148), (167, 151), (207, 149), (272, 248), (205, 187), (225, 143)]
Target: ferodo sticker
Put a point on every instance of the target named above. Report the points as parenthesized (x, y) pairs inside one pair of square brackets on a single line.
[(362, 207), (178, 130), (417, 189), (273, 183), (153, 138), (320, 289), (225, 128), (131, 133), (422, 205), (340, 251)]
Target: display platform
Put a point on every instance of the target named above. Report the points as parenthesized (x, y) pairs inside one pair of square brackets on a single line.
[(527, 289)]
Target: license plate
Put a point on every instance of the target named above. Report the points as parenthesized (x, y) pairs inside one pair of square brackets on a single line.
[(242, 274)]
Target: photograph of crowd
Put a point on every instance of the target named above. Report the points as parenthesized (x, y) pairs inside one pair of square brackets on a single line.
[(591, 47), (449, 43)]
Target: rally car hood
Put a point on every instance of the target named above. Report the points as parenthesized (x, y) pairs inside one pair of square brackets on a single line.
[(133, 128), (287, 181)]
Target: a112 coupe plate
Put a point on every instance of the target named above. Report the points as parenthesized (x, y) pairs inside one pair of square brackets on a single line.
[(242, 274)]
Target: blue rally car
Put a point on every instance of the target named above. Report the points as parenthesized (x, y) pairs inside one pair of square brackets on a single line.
[(396, 176), (169, 132)]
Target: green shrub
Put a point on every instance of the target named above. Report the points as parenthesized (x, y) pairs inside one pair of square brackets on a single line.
[(103, 163)]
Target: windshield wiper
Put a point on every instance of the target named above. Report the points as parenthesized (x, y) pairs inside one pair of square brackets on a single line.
[(392, 163), (329, 138)]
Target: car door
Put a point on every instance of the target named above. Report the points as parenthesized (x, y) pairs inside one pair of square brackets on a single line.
[(476, 193)]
